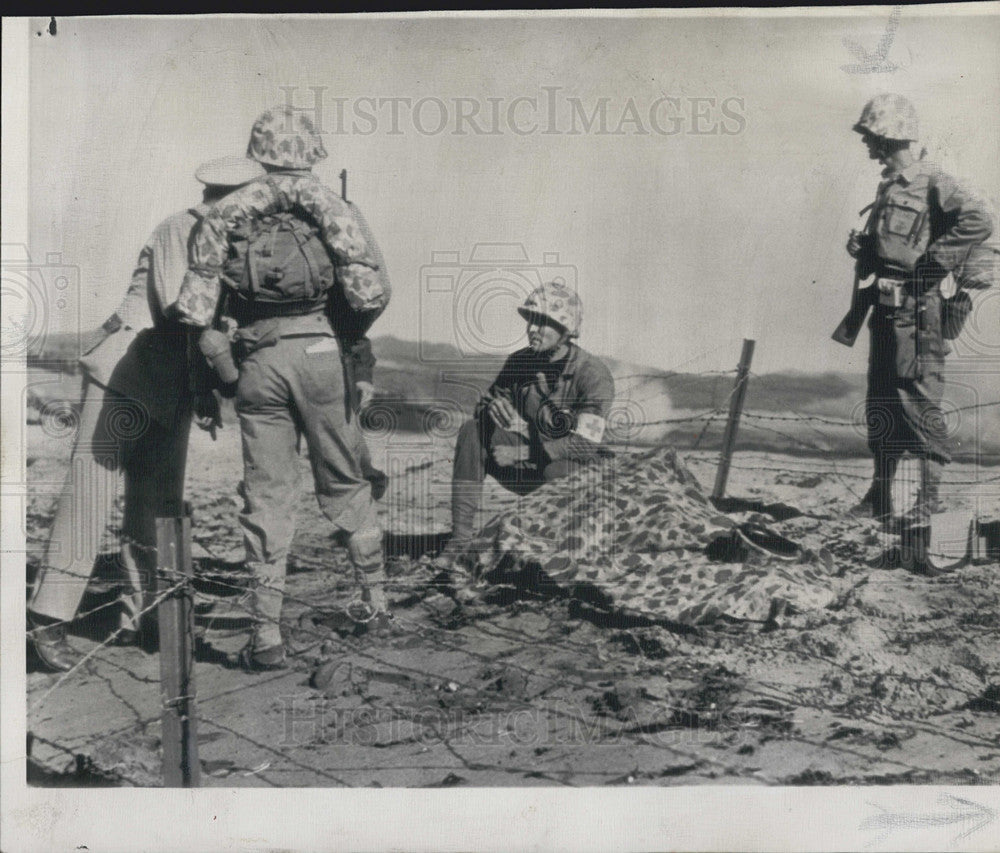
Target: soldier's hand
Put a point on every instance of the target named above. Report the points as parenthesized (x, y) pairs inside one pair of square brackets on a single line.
[(510, 454), (207, 413), (854, 244), (366, 392), (502, 412)]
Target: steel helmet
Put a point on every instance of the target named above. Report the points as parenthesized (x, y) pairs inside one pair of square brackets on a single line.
[(285, 137), (889, 116), (556, 302)]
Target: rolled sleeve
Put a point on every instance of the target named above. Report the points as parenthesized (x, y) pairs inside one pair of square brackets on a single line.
[(594, 398), (134, 310)]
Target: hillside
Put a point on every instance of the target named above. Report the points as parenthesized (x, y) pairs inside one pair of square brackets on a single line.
[(422, 386), (791, 412)]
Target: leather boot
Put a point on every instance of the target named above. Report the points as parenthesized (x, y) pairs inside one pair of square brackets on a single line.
[(50, 645)]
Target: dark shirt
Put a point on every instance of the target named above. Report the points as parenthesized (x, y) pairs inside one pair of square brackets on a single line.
[(565, 402)]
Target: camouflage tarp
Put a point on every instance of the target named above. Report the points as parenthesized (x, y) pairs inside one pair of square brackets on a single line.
[(638, 535)]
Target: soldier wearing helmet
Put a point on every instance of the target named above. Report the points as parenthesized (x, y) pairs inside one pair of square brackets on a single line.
[(136, 416), (543, 416), (287, 145), (921, 226), (291, 379)]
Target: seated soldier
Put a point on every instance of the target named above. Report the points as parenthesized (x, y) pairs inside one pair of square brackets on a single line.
[(543, 416)]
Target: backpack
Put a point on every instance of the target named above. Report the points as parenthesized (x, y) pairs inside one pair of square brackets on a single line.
[(981, 268), (979, 271), (278, 258)]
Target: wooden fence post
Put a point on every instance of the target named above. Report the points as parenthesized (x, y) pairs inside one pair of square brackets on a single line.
[(181, 768), (733, 423)]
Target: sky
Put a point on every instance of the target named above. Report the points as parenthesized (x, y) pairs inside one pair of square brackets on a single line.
[(709, 203)]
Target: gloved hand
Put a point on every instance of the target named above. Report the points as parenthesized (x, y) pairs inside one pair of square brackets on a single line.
[(207, 413)]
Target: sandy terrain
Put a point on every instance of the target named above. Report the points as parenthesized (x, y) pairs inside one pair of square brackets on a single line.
[(899, 681)]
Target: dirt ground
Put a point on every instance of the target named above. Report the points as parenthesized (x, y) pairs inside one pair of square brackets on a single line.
[(899, 681)]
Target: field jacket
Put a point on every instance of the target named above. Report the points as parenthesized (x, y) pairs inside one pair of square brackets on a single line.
[(565, 403)]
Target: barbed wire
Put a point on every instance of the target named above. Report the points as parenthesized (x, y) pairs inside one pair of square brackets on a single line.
[(438, 637), (854, 423), (701, 416), (451, 734), (672, 374), (105, 643)]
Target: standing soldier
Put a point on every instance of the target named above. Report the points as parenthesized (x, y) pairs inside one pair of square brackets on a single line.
[(136, 417), (921, 227), (291, 381), (544, 415)]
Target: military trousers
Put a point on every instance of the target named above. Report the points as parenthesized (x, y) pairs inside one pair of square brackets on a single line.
[(903, 406), (289, 389), (115, 435), (474, 459)]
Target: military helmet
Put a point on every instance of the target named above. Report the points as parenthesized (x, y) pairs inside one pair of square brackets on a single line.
[(556, 302), (889, 116), (283, 136)]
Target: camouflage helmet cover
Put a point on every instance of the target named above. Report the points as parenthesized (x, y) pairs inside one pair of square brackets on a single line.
[(889, 116), (556, 302), (283, 136)]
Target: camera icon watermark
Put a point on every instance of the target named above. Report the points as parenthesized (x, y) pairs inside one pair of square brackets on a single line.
[(40, 309), (473, 303)]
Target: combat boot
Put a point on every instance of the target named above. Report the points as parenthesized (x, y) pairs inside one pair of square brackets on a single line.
[(252, 659), (877, 502), (928, 501), (50, 645), (453, 566), (454, 561), (265, 650)]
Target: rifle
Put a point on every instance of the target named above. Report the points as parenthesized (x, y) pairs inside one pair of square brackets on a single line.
[(861, 302), (862, 299)]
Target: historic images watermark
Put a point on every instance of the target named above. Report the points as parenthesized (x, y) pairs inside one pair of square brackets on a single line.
[(549, 111), (40, 308), (480, 291), (307, 719)]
